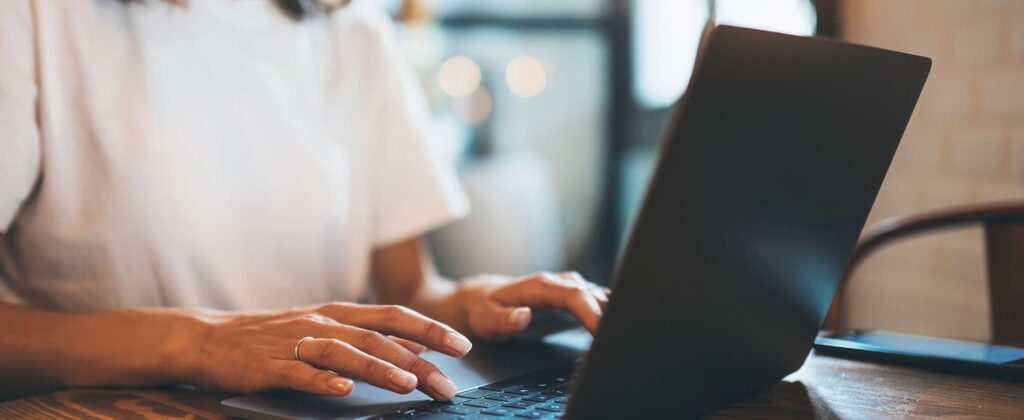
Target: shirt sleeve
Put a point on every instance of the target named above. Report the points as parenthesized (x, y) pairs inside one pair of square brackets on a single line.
[(413, 192), (19, 132)]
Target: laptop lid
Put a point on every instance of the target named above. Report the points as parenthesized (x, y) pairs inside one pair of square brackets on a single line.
[(767, 172)]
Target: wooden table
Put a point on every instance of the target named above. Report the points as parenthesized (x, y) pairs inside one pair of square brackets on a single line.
[(825, 387)]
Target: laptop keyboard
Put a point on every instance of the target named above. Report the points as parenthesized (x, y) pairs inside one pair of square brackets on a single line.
[(539, 395)]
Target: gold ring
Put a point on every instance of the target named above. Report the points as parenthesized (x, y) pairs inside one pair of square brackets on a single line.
[(301, 340)]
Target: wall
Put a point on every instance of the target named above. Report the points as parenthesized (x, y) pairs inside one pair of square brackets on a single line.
[(965, 144)]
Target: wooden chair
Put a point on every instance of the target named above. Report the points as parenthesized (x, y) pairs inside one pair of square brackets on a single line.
[(1004, 242)]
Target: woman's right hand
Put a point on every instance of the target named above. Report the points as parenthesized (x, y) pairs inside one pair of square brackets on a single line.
[(373, 343)]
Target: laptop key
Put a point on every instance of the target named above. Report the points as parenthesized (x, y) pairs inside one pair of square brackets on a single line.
[(499, 411), (554, 407), (501, 396), (541, 387), (521, 404), (520, 391), (540, 398), (483, 403), (476, 393), (501, 386), (530, 414), (461, 409)]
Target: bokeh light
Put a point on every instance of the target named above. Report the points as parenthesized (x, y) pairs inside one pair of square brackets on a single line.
[(459, 76), (474, 109), (525, 76)]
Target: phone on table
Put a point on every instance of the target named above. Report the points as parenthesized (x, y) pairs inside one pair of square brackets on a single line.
[(955, 356)]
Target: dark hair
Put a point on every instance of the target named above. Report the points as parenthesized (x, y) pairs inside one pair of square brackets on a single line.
[(296, 9)]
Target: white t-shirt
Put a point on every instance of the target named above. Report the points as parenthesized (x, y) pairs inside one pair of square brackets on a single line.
[(218, 154)]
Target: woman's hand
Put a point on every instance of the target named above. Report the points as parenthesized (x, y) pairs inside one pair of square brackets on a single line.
[(258, 352), (497, 307)]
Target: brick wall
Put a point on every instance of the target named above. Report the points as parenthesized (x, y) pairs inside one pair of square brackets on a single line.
[(965, 144)]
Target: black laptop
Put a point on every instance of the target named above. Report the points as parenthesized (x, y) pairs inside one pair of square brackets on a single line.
[(766, 173)]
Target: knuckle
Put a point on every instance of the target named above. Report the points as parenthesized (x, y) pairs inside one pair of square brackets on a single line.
[(333, 308), (436, 331), (331, 350), (549, 279), (576, 292), (396, 313), (299, 322), (371, 340), (573, 276), (418, 365), (535, 277), (375, 369), (314, 319)]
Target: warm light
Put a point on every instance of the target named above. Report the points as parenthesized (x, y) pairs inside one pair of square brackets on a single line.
[(665, 38), (795, 17), (459, 76), (475, 108), (525, 76)]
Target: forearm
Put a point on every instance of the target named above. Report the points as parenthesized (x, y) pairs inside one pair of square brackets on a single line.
[(436, 297), (44, 349), (403, 275)]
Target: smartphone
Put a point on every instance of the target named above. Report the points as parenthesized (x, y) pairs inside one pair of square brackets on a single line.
[(955, 356)]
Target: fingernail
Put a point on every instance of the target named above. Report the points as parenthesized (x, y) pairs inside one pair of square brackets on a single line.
[(402, 379), (443, 387), (520, 317), (457, 343), (340, 385)]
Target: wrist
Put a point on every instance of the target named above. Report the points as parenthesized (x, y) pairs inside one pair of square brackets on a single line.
[(181, 352), (469, 294), (458, 308)]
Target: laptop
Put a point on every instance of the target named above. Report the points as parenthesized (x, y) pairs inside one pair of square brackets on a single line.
[(766, 173)]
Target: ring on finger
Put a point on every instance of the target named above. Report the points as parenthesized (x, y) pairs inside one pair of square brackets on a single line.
[(299, 344)]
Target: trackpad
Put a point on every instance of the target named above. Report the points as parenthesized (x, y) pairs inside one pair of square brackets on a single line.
[(486, 363)]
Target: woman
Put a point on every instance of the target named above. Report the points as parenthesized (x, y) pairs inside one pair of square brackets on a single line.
[(190, 190)]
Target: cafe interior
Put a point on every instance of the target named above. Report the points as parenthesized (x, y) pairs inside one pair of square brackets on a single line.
[(552, 112), (552, 115)]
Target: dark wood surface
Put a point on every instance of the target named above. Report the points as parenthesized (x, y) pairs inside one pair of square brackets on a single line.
[(824, 388)]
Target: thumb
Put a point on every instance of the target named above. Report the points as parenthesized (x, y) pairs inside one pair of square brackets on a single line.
[(494, 321)]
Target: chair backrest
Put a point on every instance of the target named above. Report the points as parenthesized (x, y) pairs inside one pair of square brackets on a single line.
[(1004, 243)]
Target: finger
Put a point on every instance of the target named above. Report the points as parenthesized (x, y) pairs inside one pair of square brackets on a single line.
[(493, 321), (300, 376), (551, 291), (402, 322), (416, 348), (600, 297), (344, 358), (429, 378), (600, 293)]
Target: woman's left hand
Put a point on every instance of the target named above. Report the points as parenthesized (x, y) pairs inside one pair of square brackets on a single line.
[(497, 307)]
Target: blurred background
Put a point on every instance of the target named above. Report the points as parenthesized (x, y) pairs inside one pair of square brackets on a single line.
[(551, 112)]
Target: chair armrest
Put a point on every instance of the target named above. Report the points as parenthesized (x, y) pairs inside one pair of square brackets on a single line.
[(903, 226)]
